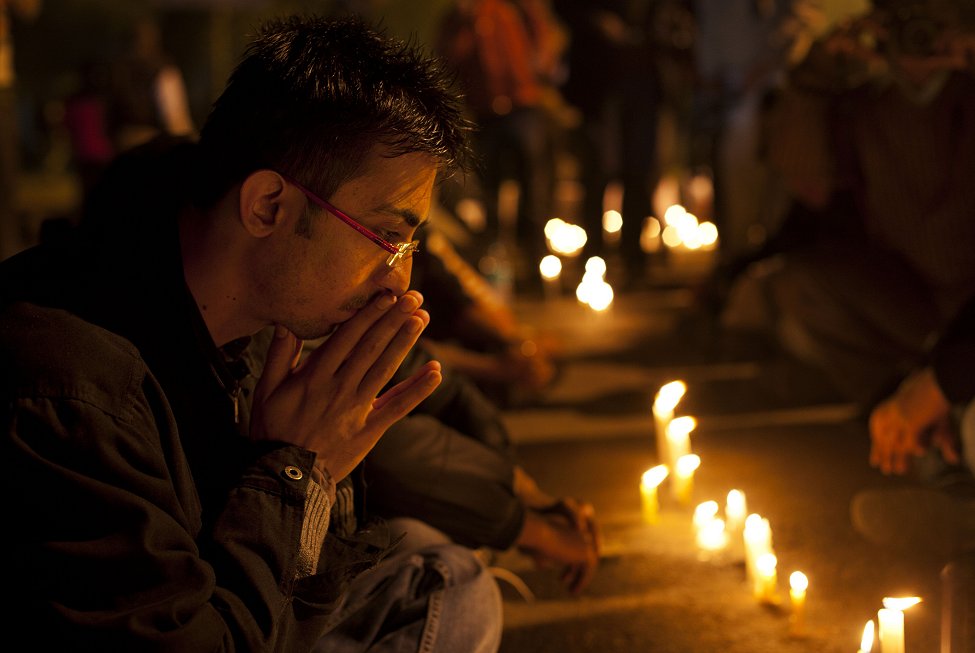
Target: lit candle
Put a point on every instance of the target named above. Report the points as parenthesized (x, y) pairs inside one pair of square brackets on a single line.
[(766, 578), (550, 268), (683, 482), (705, 512), (711, 536), (866, 642), (890, 622), (652, 478), (891, 630), (758, 540), (709, 532), (798, 583), (678, 436), (735, 510), (664, 404)]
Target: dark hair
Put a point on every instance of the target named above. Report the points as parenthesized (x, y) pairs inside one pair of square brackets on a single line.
[(311, 97)]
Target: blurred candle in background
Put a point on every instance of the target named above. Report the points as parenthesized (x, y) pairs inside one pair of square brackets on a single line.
[(766, 578), (866, 641), (664, 404), (735, 511), (798, 584), (649, 482), (758, 540), (683, 480), (550, 268), (678, 435)]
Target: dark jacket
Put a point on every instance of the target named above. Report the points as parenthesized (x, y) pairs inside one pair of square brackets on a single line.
[(144, 519)]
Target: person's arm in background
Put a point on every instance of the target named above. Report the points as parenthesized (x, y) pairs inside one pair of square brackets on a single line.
[(917, 416)]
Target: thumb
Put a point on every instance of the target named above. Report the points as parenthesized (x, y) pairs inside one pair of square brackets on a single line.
[(282, 357)]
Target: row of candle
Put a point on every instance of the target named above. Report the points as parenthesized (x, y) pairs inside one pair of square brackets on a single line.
[(752, 533)]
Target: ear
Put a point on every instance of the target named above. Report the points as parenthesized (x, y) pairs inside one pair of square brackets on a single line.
[(265, 203)]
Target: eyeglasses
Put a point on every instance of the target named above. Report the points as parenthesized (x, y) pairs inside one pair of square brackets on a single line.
[(398, 252)]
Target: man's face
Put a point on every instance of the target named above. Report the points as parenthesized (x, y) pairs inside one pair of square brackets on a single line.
[(320, 273)]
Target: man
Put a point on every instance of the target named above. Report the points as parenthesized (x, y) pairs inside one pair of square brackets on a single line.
[(162, 500)]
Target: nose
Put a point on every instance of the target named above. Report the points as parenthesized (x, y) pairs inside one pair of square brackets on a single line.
[(397, 280)]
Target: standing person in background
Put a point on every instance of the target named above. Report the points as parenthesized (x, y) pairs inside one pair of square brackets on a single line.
[(194, 487), (612, 80), (9, 140), (489, 44), (149, 94)]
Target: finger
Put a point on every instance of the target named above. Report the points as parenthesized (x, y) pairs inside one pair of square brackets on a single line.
[(326, 360), (282, 355), (382, 370), (429, 366), (407, 396), (374, 342)]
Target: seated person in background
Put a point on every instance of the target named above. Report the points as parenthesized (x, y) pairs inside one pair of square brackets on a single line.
[(450, 464), (474, 331), (927, 428), (874, 134)]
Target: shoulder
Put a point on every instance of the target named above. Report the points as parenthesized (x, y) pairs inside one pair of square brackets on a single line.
[(52, 353)]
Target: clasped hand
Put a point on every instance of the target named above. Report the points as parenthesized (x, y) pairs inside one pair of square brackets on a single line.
[(327, 402)]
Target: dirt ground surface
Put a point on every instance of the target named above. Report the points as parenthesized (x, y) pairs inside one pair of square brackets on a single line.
[(766, 426)]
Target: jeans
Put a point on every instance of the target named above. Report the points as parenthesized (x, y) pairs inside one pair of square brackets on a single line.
[(429, 596)]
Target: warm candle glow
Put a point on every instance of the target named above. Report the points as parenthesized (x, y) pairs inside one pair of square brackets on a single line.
[(612, 221), (648, 492), (684, 477), (654, 476), (550, 267), (680, 427), (704, 513), (866, 642), (687, 464), (711, 535), (766, 578), (891, 628), (798, 583), (678, 436), (669, 396), (735, 510), (902, 603), (564, 238)]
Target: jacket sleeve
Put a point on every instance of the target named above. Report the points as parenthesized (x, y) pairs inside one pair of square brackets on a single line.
[(110, 553)]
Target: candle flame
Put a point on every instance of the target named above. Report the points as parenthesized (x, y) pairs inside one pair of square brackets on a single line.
[(687, 463), (680, 427), (735, 504), (866, 642), (669, 396), (612, 221), (654, 476), (766, 563), (902, 603), (550, 267), (798, 581), (705, 512)]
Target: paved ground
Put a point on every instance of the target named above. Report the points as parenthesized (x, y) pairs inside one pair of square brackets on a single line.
[(767, 427)]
